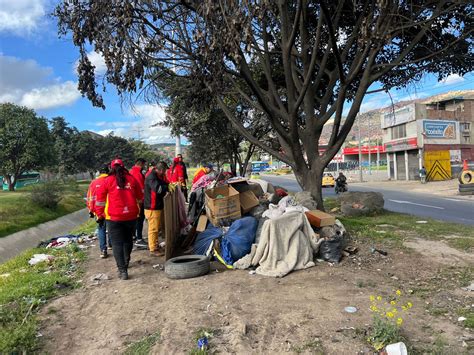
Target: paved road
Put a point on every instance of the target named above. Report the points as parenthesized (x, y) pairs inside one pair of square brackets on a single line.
[(417, 204)]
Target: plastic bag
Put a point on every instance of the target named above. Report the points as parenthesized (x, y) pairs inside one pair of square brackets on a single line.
[(331, 249), (204, 239), (238, 241)]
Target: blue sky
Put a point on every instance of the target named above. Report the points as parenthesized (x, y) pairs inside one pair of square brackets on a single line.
[(37, 69)]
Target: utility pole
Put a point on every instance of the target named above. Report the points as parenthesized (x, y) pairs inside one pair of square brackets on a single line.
[(360, 150), (178, 136), (139, 133), (368, 134)]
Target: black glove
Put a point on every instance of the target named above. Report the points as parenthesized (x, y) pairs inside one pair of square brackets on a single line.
[(100, 222), (91, 215)]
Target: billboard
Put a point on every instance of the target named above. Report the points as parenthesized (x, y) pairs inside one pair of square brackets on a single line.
[(401, 144), (439, 129), (402, 115)]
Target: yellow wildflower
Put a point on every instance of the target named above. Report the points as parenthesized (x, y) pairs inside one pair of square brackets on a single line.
[(379, 298), (390, 315), (399, 321), (398, 292), (393, 303), (409, 304), (404, 308), (394, 311), (372, 298)]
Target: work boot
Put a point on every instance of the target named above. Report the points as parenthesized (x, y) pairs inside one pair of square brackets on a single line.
[(157, 253), (103, 254), (123, 275)]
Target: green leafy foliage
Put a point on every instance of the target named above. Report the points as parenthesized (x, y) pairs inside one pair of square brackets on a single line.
[(25, 142), (143, 346)]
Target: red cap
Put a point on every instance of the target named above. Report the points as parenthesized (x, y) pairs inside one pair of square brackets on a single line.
[(117, 162)]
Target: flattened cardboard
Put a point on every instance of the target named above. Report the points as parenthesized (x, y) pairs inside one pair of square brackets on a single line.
[(248, 200), (320, 219), (202, 223)]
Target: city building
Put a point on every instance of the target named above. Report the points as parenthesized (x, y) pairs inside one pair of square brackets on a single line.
[(436, 133)]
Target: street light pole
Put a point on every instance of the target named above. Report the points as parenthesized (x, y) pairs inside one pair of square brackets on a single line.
[(368, 135)]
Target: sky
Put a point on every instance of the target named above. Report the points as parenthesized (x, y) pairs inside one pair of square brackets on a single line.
[(37, 70)]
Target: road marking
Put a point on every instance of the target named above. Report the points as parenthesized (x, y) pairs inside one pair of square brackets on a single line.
[(417, 204), (456, 200)]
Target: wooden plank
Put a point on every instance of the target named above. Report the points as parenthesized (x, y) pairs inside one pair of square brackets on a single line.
[(171, 223)]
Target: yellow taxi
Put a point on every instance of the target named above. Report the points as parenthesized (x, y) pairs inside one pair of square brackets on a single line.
[(328, 180)]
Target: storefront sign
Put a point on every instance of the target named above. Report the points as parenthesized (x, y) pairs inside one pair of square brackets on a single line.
[(439, 129), (401, 144), (402, 115)]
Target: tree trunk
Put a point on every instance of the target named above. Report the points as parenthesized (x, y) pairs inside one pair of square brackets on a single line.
[(311, 180), (11, 183), (91, 174)]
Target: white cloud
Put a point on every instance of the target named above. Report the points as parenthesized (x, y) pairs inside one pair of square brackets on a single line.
[(21, 17), (51, 96), (25, 82), (141, 124), (451, 79)]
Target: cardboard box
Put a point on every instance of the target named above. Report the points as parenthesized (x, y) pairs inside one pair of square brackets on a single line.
[(320, 219), (202, 223), (226, 207), (248, 200)]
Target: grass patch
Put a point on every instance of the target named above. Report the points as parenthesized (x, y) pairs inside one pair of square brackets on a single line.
[(17, 212), (469, 314), (87, 228), (25, 288), (393, 228), (144, 345), (313, 346)]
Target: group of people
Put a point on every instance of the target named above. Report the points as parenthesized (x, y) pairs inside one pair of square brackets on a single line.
[(120, 200)]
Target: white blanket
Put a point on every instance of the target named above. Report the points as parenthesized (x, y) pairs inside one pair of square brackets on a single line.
[(286, 243)]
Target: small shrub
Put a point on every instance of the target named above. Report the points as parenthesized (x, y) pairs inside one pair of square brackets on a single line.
[(46, 195), (388, 320)]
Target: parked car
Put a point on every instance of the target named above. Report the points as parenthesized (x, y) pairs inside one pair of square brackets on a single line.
[(328, 180)]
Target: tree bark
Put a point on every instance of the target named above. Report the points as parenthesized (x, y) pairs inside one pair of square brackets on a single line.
[(311, 180), (11, 183)]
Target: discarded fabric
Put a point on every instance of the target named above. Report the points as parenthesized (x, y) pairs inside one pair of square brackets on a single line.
[(38, 258)]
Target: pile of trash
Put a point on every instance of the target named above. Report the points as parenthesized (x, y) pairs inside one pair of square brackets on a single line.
[(62, 241), (251, 224)]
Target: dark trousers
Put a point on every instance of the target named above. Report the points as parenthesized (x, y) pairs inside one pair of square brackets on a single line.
[(121, 234), (139, 228)]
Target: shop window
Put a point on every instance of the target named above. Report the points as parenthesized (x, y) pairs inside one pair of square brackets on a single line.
[(399, 131), (465, 126)]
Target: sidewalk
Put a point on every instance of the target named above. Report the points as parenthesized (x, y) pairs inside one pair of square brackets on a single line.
[(15, 243), (447, 188)]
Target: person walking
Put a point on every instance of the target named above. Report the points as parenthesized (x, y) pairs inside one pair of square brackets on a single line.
[(423, 175), (118, 203), (137, 173), (156, 188), (91, 201)]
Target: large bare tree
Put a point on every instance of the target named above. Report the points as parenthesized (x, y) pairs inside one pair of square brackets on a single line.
[(299, 62)]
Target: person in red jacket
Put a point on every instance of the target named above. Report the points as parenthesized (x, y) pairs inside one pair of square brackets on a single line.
[(117, 202), (177, 174), (91, 200), (137, 172)]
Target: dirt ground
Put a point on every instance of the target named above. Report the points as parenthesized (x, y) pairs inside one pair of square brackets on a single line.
[(302, 312)]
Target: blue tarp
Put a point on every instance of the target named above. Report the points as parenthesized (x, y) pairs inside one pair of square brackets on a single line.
[(235, 244)]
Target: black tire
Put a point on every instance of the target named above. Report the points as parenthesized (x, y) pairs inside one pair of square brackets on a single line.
[(466, 177), (466, 186), (466, 193), (466, 189), (187, 266)]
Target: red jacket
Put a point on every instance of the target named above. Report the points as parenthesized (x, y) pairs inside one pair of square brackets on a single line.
[(136, 172), (117, 204), (199, 174), (92, 191), (176, 172)]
